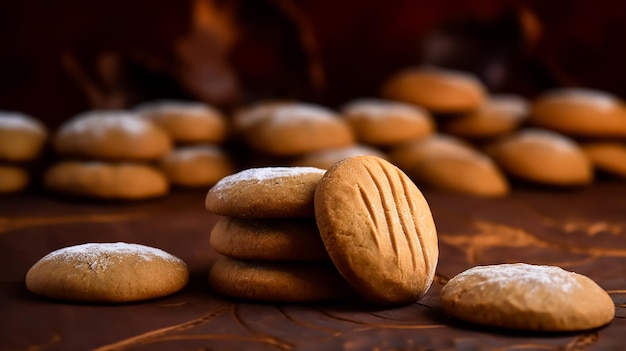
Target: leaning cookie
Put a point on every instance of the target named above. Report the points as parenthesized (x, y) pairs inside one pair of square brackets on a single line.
[(384, 122), (378, 229), (107, 272), (527, 297), (21, 137), (277, 281), (126, 181), (185, 121), (13, 178), (266, 192), (111, 135), (580, 112), (268, 239), (542, 156), (197, 165), (436, 89)]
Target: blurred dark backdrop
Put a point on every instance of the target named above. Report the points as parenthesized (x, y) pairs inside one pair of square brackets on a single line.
[(61, 57)]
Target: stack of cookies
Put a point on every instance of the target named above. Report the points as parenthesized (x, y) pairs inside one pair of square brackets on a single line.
[(197, 130), (21, 140), (108, 154), (270, 245)]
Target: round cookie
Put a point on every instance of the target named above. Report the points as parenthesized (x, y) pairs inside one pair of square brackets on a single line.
[(111, 135), (277, 281), (292, 129), (527, 297), (196, 165), (384, 123), (542, 156), (501, 114), (436, 89), (107, 272), (185, 121), (325, 158), (21, 137), (266, 192), (268, 239), (12, 178), (378, 229), (128, 181), (446, 163), (607, 156), (580, 112)]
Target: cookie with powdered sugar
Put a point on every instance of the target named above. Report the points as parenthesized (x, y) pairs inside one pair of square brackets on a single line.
[(22, 137), (111, 135), (527, 297), (266, 192), (107, 272)]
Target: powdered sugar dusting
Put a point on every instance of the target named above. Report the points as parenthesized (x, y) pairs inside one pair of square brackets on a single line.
[(600, 99), (522, 273), (376, 108), (101, 256), (263, 174), (301, 112), (101, 122), (16, 121)]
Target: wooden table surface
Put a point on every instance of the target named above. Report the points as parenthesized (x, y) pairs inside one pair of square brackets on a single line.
[(582, 230)]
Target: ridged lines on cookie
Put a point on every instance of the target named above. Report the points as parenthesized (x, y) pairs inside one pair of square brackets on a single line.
[(394, 204)]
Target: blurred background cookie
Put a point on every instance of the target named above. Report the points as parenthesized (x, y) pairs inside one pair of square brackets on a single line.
[(607, 157), (22, 137), (13, 178), (325, 158), (197, 165)]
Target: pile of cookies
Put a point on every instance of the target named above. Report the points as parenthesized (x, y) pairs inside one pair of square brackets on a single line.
[(22, 139), (282, 224)]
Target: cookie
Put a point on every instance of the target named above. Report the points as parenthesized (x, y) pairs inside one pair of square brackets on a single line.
[(196, 165), (527, 297), (449, 164), (277, 281), (499, 115), (126, 181), (325, 158), (22, 137), (378, 229), (608, 157), (268, 239), (186, 121), (266, 192), (542, 156), (111, 135), (383, 122), (436, 89), (107, 272), (292, 129), (580, 112), (13, 178)]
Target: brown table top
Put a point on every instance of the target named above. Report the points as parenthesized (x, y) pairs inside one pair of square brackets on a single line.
[(582, 230)]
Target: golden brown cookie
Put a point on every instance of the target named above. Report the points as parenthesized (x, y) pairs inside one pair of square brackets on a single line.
[(127, 181), (499, 115), (384, 122), (607, 156), (197, 165), (447, 163), (266, 192), (268, 239), (186, 121), (436, 89), (292, 129), (378, 229), (277, 281), (325, 158), (107, 272), (527, 297), (542, 156), (580, 112), (111, 135), (21, 137), (13, 178)]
